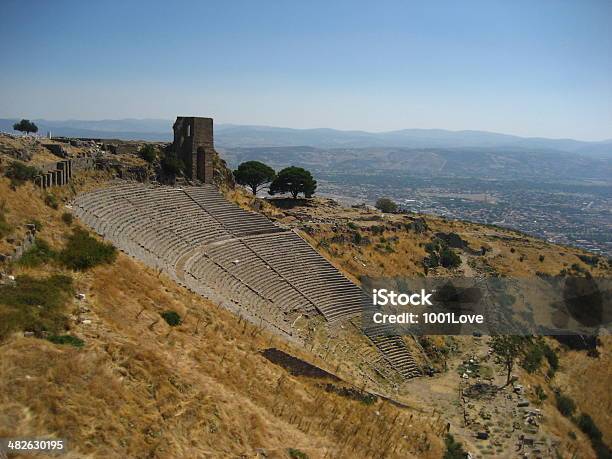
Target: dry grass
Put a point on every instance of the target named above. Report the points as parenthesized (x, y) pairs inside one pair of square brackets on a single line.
[(139, 388)]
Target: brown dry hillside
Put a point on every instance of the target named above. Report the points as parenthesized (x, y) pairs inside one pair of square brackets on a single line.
[(125, 383), (139, 388), (365, 242)]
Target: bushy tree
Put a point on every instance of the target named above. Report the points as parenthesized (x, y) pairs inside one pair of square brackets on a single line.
[(386, 205), (26, 126), (294, 180), (254, 174)]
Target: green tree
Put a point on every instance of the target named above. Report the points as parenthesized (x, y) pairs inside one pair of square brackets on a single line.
[(254, 174), (386, 205), (148, 152), (26, 126), (294, 180), (507, 348)]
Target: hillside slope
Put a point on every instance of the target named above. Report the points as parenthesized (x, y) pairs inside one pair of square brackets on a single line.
[(141, 388), (215, 386)]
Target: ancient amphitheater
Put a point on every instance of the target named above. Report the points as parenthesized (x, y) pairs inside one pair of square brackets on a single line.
[(238, 258), (241, 259)]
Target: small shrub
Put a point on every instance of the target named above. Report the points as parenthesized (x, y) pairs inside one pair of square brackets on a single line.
[(67, 218), (52, 201), (512, 250), (449, 259), (589, 260), (83, 252), (565, 405), (551, 357), (148, 153), (20, 173), (540, 394), (172, 318), (541, 258), (39, 254), (352, 226), (171, 164), (66, 339), (386, 205), (588, 426), (296, 454), (454, 450)]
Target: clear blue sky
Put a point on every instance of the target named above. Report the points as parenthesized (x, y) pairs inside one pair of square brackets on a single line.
[(527, 67)]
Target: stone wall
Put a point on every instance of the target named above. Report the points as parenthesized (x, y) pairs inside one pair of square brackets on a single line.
[(59, 173), (194, 144)]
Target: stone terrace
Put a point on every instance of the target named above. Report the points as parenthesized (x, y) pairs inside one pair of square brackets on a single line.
[(219, 250)]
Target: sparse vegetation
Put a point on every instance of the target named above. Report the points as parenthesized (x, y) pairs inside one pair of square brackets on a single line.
[(565, 404), (540, 394), (83, 251), (296, 454), (440, 254), (591, 260), (5, 227), (148, 152), (172, 165), (66, 339), (39, 254), (52, 201), (19, 173), (34, 304), (454, 449)]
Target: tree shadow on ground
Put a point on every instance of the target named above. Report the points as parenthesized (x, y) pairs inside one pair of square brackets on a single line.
[(289, 203)]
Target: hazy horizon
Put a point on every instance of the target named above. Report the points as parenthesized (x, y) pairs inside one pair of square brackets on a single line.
[(255, 125), (520, 68)]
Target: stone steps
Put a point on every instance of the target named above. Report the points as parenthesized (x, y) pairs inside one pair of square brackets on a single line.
[(194, 234)]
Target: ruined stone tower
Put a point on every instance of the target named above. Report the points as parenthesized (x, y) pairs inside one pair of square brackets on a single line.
[(193, 142)]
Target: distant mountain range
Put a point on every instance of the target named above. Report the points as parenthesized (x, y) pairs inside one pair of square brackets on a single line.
[(233, 136), (507, 163)]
